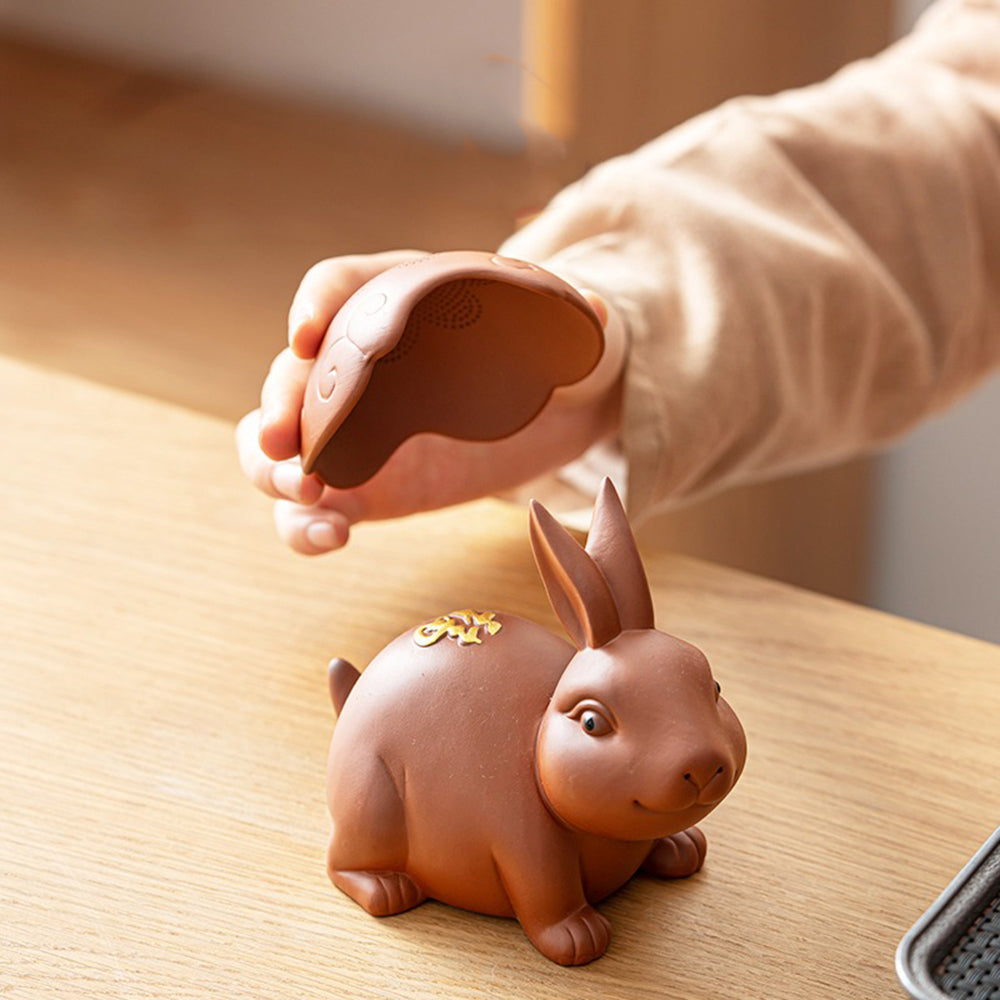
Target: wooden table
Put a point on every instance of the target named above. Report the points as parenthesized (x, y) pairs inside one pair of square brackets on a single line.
[(164, 724)]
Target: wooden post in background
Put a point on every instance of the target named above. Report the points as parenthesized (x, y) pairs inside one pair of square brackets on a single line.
[(604, 76)]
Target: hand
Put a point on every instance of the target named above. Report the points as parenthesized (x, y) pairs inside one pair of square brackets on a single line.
[(427, 471)]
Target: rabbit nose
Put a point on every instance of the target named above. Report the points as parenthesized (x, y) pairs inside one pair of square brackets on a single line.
[(702, 773)]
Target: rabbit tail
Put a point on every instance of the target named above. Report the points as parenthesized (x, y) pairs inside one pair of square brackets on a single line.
[(342, 677)]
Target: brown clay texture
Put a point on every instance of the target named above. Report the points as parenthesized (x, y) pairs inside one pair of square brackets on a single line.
[(485, 762), (466, 344)]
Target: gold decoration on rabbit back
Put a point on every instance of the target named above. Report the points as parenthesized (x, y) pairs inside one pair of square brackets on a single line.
[(466, 627)]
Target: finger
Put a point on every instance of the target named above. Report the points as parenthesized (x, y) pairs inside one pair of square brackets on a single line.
[(325, 287), (287, 481), (276, 479), (255, 464), (310, 530), (598, 304), (605, 377), (281, 405)]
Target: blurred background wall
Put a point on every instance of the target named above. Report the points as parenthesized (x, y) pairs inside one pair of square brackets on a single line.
[(461, 70), (448, 66)]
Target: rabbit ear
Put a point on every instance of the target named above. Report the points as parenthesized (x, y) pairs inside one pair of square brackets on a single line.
[(578, 592), (611, 545)]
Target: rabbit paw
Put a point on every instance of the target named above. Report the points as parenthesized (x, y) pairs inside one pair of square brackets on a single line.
[(578, 939), (677, 856), (380, 893)]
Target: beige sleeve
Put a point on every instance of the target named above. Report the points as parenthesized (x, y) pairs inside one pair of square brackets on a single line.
[(803, 276)]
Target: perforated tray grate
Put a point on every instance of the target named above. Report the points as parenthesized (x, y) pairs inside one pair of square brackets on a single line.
[(953, 950), (971, 970)]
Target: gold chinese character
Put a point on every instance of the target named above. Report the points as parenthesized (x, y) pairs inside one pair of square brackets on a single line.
[(462, 626)]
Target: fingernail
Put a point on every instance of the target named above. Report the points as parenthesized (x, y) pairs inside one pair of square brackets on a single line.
[(287, 480), (321, 535)]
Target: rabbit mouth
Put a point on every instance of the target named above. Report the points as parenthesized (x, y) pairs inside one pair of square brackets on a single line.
[(663, 812), (699, 798)]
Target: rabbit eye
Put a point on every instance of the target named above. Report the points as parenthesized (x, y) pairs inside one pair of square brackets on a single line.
[(593, 717), (593, 723), (718, 690)]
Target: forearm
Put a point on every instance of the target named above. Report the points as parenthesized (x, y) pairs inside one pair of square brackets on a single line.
[(803, 276)]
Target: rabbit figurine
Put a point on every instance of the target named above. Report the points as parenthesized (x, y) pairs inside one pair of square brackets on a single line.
[(483, 761)]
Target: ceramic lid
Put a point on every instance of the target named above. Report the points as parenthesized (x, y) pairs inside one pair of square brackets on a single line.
[(465, 344)]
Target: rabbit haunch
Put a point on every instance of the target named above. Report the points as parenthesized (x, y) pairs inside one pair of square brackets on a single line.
[(524, 776)]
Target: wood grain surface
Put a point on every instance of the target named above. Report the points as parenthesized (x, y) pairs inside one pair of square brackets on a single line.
[(164, 725)]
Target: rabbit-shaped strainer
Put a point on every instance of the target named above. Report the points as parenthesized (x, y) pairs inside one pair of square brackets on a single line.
[(485, 762)]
